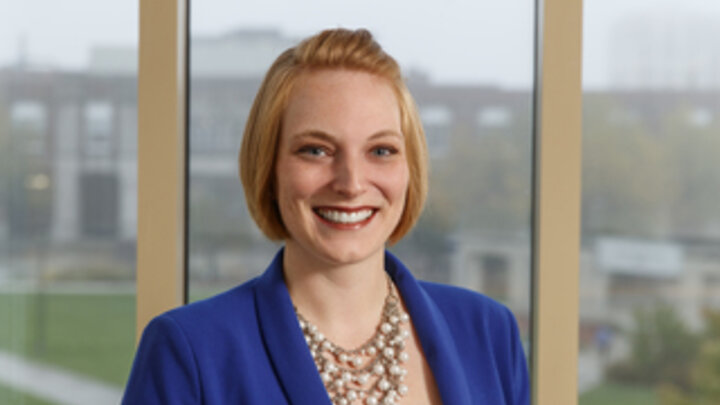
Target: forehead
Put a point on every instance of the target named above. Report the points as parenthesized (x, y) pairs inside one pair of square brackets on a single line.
[(341, 100)]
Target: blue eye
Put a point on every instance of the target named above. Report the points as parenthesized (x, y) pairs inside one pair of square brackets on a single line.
[(383, 151), (313, 150)]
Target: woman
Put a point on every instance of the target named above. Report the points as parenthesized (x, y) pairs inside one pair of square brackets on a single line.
[(333, 163)]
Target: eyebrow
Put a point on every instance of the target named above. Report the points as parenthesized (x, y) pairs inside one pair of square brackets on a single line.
[(313, 133)]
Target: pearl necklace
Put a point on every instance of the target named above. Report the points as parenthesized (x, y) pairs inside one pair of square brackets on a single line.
[(371, 373)]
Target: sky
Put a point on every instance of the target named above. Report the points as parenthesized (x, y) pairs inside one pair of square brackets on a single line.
[(454, 41)]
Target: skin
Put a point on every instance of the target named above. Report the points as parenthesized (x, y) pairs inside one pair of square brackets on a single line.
[(341, 149)]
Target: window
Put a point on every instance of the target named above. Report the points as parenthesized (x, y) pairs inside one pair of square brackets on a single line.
[(494, 117), (479, 189), (67, 233), (651, 187), (29, 126), (98, 128), (437, 120)]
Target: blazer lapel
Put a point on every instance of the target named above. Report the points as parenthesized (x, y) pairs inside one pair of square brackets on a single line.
[(284, 340), (291, 358), (438, 345)]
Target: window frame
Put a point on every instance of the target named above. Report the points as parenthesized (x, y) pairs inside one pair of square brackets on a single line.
[(163, 182)]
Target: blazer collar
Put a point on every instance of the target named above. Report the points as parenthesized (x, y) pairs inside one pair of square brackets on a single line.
[(294, 365), (438, 345), (285, 342)]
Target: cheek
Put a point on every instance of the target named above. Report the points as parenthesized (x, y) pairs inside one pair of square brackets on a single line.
[(296, 185), (289, 198), (395, 182)]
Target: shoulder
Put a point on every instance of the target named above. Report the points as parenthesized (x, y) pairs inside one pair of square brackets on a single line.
[(235, 302), (488, 334), (464, 300), (214, 312), (466, 308)]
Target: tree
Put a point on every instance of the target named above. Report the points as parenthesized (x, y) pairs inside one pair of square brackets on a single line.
[(704, 388), (483, 182), (663, 350), (696, 170), (626, 177)]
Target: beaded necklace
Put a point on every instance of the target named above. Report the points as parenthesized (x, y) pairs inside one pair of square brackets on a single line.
[(372, 373)]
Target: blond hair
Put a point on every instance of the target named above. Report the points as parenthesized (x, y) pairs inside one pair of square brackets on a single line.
[(330, 49)]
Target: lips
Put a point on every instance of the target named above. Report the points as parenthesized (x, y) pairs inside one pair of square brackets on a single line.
[(345, 217)]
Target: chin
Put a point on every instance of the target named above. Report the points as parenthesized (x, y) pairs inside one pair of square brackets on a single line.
[(346, 256), (344, 251)]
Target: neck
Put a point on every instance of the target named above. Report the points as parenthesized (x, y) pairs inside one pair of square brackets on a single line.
[(343, 300)]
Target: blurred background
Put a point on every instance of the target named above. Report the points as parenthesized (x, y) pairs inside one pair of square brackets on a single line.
[(68, 200), (650, 263)]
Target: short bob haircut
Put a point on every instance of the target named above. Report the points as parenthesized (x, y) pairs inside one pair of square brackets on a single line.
[(330, 49)]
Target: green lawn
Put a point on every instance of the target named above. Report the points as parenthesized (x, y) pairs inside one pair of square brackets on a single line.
[(89, 334), (614, 394), (9, 396)]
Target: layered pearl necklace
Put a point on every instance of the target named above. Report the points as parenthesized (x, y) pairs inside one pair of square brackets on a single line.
[(371, 374)]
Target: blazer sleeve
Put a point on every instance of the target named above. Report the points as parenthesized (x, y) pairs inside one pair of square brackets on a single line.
[(164, 371), (521, 388)]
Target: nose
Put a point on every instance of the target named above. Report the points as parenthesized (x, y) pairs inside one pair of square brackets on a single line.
[(349, 176)]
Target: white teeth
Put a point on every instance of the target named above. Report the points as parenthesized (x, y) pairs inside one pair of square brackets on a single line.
[(343, 217)]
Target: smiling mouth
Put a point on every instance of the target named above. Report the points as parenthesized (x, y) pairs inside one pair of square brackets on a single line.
[(345, 217)]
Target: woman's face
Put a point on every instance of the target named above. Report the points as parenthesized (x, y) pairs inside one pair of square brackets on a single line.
[(342, 172)]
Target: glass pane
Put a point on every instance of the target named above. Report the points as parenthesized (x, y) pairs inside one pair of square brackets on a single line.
[(475, 99), (650, 269), (68, 108)]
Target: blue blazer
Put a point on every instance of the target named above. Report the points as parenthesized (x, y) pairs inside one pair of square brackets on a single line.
[(245, 346)]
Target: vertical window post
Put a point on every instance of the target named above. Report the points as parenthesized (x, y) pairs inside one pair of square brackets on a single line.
[(161, 158), (557, 190)]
